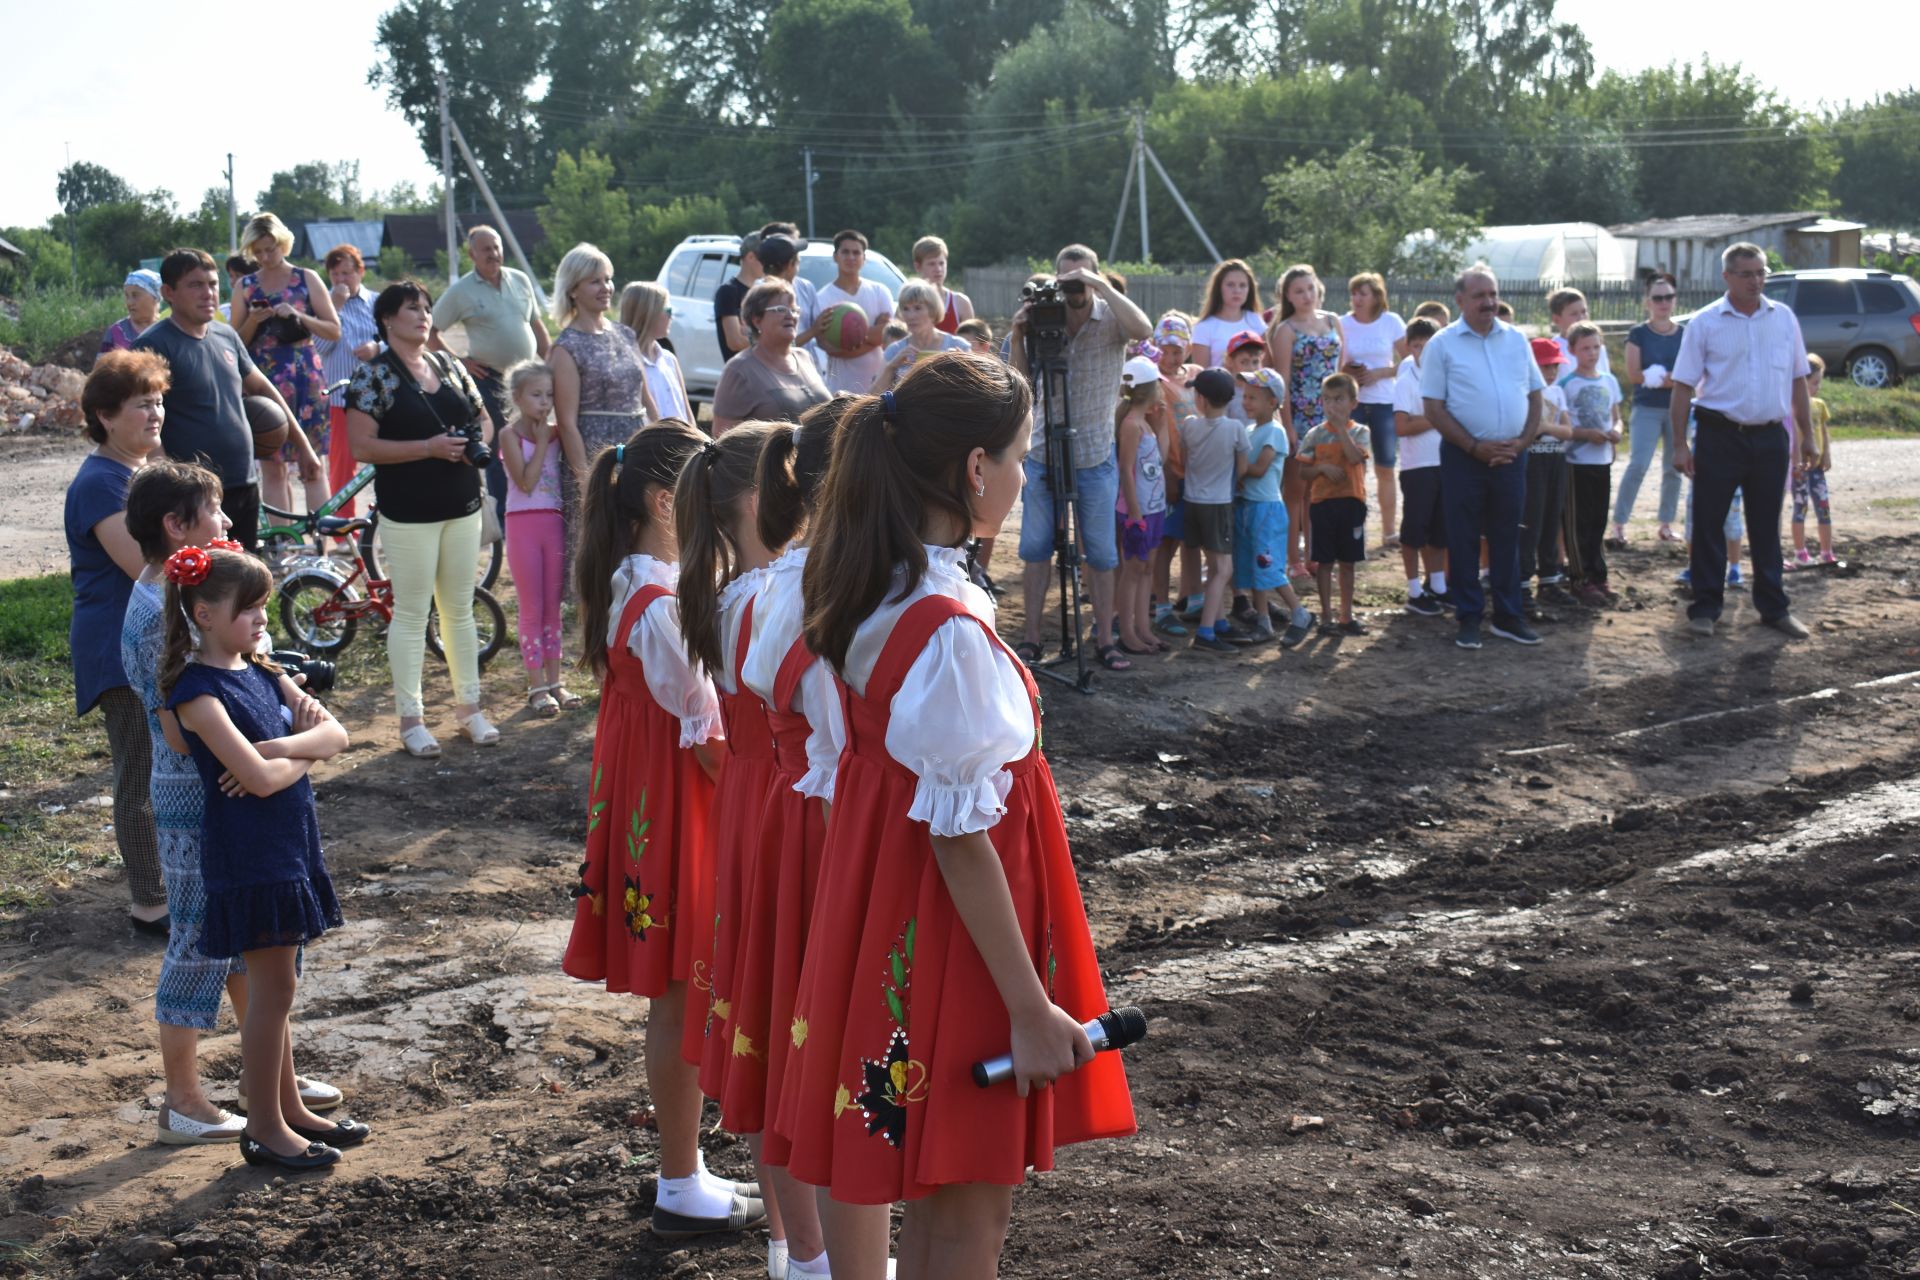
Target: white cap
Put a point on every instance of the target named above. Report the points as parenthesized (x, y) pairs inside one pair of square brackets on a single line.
[(1138, 372)]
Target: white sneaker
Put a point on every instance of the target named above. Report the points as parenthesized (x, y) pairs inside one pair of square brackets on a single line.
[(776, 1260), (316, 1095), (177, 1130)]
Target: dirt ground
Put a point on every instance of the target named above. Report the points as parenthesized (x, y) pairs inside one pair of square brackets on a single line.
[(1590, 960)]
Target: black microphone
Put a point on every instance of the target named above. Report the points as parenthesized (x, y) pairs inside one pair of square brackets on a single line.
[(1114, 1029)]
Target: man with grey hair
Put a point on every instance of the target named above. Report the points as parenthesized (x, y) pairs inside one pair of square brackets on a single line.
[(497, 307), (1742, 374), (1100, 324), (1482, 390)]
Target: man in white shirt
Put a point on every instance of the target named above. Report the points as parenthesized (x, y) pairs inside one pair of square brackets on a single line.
[(1742, 374), (855, 368)]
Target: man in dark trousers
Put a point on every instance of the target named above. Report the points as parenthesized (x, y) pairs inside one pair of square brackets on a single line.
[(1741, 371)]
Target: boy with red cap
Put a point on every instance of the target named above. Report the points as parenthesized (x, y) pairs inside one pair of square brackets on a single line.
[(1546, 487)]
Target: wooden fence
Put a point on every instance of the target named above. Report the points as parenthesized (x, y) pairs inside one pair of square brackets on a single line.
[(996, 294)]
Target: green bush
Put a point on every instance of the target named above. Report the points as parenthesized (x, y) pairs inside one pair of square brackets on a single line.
[(50, 316)]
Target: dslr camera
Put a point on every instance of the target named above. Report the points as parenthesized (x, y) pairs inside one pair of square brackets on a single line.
[(1046, 321), (319, 672), (476, 451)]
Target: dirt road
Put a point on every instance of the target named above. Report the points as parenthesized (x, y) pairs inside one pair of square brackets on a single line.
[(1591, 960)]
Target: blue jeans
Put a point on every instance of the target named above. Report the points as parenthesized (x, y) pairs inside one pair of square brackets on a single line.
[(1096, 490), (1378, 419), (1726, 459), (1648, 431), (1482, 501)]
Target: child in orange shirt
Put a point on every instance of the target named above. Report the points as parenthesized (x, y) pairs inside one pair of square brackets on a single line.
[(1333, 458)]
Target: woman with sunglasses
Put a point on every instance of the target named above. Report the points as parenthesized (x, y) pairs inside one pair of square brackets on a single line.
[(1652, 348), (646, 309), (770, 381)]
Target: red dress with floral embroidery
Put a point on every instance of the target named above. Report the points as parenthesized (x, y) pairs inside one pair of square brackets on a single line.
[(794, 834), (643, 910), (895, 1004), (725, 1034)]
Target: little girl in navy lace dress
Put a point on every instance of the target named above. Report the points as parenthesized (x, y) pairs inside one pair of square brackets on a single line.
[(254, 736)]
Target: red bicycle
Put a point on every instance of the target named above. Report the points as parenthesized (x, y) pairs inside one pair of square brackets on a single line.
[(320, 611)]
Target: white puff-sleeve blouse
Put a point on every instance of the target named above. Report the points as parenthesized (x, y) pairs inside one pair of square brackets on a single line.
[(734, 598), (778, 618), (681, 689), (961, 714)]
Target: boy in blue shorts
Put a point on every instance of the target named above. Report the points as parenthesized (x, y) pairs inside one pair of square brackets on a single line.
[(1260, 517)]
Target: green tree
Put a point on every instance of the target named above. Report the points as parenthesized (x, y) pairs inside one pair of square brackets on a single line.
[(657, 228), (312, 191), (584, 205), (84, 185), (207, 227), (1877, 147), (1755, 152), (1370, 209), (821, 54), (48, 264), (394, 264)]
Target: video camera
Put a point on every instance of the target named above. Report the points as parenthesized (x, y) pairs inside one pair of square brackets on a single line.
[(1046, 321)]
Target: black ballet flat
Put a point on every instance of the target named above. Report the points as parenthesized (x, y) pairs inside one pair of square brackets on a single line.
[(343, 1133), (318, 1155), (161, 928)]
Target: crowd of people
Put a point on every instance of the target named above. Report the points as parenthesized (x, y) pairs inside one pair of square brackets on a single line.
[(822, 839)]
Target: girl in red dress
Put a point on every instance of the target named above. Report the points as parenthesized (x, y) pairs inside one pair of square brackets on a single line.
[(644, 905), (723, 564), (948, 925)]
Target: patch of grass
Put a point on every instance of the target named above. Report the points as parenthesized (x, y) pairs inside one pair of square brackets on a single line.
[(44, 749), (49, 317), (1892, 413)]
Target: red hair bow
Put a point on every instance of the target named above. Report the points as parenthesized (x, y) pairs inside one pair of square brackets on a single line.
[(188, 567)]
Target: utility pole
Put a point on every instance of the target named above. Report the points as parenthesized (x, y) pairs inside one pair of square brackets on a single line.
[(233, 213), (1140, 163), (446, 178), (810, 177), (506, 228)]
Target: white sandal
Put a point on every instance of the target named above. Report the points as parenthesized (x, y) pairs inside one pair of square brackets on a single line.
[(540, 700), (562, 695), (419, 741), (479, 731)]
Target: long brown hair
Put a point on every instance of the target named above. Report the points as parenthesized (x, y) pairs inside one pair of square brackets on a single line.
[(793, 462), (1216, 289), (1283, 309), (614, 510), (897, 461), (234, 579), (707, 512)]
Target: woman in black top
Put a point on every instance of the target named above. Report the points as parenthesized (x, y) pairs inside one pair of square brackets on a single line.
[(407, 413)]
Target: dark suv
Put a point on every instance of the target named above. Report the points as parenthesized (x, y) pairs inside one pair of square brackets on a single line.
[(1863, 323)]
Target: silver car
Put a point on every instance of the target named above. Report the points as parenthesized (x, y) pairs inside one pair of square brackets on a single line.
[(699, 265), (1863, 323)]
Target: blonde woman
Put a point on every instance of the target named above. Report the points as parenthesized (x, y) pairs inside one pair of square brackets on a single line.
[(918, 307), (646, 308), (278, 311), (600, 395)]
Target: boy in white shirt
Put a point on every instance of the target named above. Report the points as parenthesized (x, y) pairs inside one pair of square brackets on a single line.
[(1541, 516), (1593, 402), (1423, 516), (854, 368)]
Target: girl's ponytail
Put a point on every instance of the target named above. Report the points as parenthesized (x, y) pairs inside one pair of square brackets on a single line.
[(792, 465), (613, 510), (898, 460), (707, 515), (178, 646)]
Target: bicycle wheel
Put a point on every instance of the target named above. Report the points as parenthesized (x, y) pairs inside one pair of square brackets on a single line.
[(491, 553), (489, 625), (310, 613)]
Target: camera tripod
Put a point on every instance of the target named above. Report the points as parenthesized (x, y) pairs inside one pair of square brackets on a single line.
[(1048, 372)]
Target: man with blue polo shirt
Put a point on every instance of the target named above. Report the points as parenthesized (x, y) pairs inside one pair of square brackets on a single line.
[(1482, 394)]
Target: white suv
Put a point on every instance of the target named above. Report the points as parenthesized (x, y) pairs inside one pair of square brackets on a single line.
[(699, 265)]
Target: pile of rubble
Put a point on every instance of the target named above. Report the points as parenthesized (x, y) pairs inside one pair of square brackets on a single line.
[(38, 397)]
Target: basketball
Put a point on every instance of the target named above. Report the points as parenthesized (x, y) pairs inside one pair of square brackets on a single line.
[(269, 425), (846, 326)]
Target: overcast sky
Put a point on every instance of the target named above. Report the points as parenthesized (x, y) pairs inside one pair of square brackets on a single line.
[(94, 85)]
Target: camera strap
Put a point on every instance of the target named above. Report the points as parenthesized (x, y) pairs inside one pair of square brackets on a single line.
[(406, 375)]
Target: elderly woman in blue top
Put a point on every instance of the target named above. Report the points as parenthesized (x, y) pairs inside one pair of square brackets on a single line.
[(1482, 394), (124, 407)]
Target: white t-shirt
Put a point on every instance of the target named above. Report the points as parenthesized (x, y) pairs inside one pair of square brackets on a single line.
[(1422, 450), (1590, 402), (1371, 343), (857, 375), (1214, 333)]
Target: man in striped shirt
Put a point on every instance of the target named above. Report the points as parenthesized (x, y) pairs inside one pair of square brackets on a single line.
[(359, 340)]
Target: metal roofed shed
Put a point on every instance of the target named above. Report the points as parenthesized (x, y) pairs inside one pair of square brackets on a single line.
[(1690, 247), (321, 237)]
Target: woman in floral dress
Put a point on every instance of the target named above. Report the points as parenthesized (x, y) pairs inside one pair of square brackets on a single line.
[(1304, 346), (279, 310)]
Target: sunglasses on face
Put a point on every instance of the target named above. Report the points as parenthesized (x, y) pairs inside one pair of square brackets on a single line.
[(1661, 297)]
